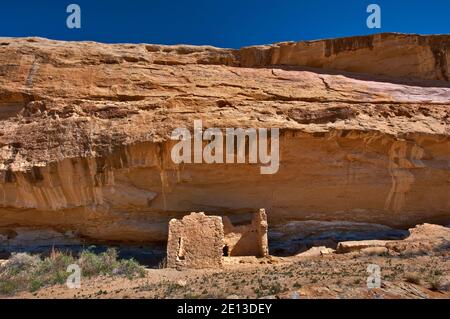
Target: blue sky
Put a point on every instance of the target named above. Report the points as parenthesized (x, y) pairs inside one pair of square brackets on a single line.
[(225, 23)]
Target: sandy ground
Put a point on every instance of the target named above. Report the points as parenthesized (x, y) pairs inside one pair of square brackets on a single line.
[(328, 276), (415, 267)]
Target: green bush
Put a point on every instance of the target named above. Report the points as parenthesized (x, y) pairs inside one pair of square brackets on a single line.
[(7, 287), (102, 264), (129, 268), (29, 272)]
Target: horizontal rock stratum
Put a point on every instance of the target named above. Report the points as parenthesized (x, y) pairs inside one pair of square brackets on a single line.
[(85, 133)]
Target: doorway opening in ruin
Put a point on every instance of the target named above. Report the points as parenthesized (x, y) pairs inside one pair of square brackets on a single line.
[(226, 251)]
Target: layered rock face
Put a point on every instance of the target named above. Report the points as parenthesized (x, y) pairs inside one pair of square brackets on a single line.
[(85, 133)]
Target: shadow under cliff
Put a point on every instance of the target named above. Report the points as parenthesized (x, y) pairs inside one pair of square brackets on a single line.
[(298, 236), (365, 76), (287, 239)]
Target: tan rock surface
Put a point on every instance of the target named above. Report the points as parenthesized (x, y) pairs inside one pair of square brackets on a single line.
[(316, 251), (422, 239), (84, 131), (349, 246)]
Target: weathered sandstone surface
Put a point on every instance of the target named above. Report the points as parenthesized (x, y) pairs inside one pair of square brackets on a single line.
[(85, 127), (422, 239)]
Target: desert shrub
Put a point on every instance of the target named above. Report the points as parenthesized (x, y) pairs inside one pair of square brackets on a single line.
[(8, 287), (101, 264), (52, 270), (16, 272), (107, 264), (20, 262), (275, 288), (435, 282), (413, 278), (129, 268), (29, 272)]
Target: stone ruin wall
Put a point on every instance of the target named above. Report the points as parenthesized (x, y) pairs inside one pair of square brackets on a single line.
[(196, 241), (247, 240), (199, 241)]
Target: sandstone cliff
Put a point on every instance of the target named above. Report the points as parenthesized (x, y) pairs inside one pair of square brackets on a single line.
[(85, 127)]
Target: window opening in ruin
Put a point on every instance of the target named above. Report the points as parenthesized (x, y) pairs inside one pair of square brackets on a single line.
[(180, 254)]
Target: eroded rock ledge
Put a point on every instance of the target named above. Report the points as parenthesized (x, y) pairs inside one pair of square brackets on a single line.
[(84, 131)]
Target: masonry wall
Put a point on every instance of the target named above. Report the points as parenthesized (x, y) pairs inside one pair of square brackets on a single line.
[(247, 240), (196, 241)]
